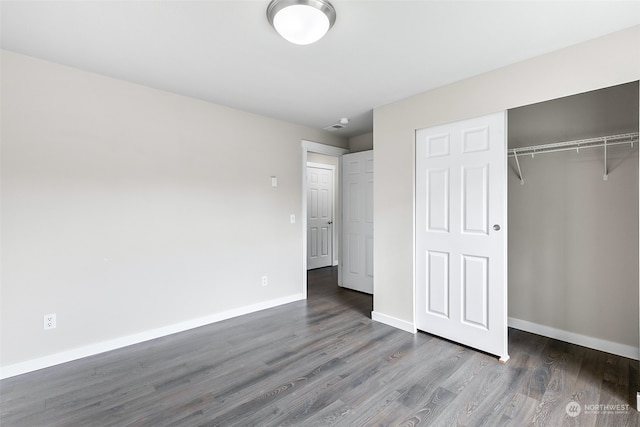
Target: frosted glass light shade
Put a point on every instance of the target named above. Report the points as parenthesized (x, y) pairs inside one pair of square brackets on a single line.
[(301, 22)]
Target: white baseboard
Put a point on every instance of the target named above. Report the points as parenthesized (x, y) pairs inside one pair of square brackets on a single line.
[(393, 321), (101, 347), (586, 341)]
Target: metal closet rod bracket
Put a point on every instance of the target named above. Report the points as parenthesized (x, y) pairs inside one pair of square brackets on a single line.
[(606, 171), (515, 156)]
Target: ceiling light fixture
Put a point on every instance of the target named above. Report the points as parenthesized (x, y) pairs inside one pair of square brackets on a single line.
[(301, 21)]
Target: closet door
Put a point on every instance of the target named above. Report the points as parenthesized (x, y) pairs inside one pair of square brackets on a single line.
[(461, 289)]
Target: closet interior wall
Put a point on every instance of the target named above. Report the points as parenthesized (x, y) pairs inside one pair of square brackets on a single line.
[(573, 237)]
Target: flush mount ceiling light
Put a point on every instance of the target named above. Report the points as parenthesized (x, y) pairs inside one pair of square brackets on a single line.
[(301, 21)]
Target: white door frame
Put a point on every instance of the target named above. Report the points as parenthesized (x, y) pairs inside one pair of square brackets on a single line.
[(329, 150), (336, 222)]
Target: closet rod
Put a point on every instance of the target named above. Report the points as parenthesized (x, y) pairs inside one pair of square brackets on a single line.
[(627, 138)]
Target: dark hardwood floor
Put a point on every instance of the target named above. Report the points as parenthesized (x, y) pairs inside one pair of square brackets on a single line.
[(323, 362)]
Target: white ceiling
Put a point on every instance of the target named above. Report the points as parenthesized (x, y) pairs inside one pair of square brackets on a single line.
[(376, 53)]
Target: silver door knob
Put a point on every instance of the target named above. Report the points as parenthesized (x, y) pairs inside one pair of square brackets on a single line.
[(330, 222), (496, 227)]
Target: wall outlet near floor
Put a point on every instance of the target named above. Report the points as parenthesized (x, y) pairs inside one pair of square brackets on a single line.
[(265, 281), (49, 321)]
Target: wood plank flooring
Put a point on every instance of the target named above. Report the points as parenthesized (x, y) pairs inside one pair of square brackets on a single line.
[(323, 362)]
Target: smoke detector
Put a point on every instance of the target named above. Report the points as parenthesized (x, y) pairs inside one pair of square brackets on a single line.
[(337, 126)]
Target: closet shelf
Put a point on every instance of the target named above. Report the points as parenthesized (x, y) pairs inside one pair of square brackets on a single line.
[(626, 138), (603, 141)]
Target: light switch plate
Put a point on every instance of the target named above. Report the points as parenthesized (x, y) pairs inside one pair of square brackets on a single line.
[(274, 181), (292, 218)]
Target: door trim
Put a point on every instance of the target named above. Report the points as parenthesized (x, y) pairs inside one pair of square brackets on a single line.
[(329, 150)]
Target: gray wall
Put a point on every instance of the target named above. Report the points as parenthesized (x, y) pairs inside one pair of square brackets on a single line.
[(573, 237), (607, 61), (361, 142), (127, 209), (609, 111)]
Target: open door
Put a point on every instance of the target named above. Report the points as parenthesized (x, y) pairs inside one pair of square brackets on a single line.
[(357, 221), (461, 240)]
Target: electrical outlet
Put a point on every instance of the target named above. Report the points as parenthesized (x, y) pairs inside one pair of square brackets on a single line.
[(49, 321), (265, 281)]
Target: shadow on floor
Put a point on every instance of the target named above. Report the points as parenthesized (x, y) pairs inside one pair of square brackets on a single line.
[(322, 283)]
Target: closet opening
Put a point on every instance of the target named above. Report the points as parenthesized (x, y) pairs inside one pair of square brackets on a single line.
[(573, 219)]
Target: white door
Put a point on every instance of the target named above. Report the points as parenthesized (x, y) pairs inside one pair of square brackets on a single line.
[(357, 221), (319, 217), (461, 241)]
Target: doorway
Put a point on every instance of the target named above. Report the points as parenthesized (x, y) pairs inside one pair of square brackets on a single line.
[(573, 219), (321, 211), (308, 149)]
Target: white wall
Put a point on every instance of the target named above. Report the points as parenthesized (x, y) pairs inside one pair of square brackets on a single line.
[(127, 209), (603, 62)]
